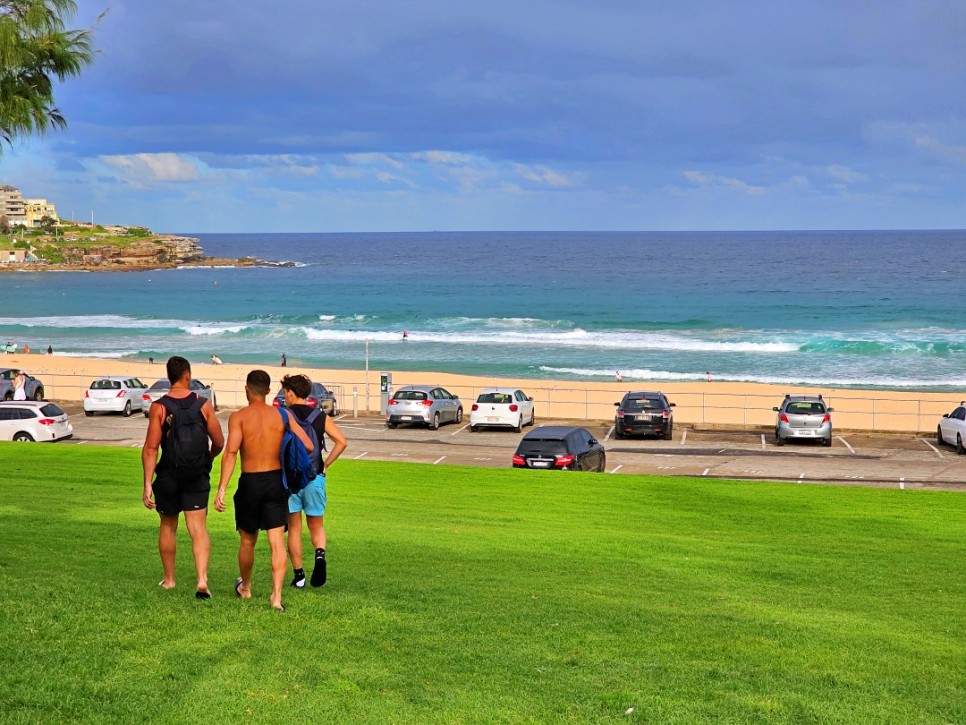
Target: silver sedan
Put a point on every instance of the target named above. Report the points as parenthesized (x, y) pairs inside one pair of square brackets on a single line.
[(427, 404), (161, 387)]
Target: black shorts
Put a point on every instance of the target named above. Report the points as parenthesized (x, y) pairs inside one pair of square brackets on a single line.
[(172, 495), (261, 502)]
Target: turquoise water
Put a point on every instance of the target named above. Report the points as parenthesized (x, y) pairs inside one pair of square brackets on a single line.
[(825, 308)]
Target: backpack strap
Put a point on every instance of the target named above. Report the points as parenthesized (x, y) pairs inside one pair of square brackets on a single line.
[(284, 415), (313, 416)]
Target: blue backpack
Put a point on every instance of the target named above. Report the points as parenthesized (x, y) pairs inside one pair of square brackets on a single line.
[(299, 467)]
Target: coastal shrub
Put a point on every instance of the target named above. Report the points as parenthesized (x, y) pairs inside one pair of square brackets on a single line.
[(51, 254)]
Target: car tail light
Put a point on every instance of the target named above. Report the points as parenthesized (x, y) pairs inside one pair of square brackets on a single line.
[(783, 418), (276, 403), (427, 402), (514, 408), (563, 461), (826, 419), (146, 398), (393, 402), (519, 460), (311, 402), (87, 393), (47, 421), (121, 394), (475, 407), (666, 413), (620, 413)]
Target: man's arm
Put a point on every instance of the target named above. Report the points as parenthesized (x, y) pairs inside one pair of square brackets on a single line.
[(149, 451), (214, 429), (338, 440), (228, 460)]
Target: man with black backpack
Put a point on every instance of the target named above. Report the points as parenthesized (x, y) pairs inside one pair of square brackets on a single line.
[(189, 435), (312, 498)]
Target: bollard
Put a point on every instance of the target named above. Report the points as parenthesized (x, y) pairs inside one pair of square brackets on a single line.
[(355, 402)]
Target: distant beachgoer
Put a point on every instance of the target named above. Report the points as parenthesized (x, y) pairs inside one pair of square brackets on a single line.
[(50, 350), (618, 377), (405, 335), (151, 360), (20, 386), (284, 361), (709, 376), (26, 349), (216, 360)]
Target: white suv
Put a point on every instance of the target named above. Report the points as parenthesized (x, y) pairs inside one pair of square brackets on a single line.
[(30, 420)]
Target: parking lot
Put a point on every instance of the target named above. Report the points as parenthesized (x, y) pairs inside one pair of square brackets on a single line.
[(855, 458)]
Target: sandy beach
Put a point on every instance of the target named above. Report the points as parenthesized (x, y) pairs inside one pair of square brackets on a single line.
[(709, 404)]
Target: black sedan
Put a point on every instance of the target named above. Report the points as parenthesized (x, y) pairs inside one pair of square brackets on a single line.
[(560, 448), (644, 414), (320, 397)]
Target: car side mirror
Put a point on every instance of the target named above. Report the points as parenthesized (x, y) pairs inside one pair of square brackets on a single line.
[(830, 410), (671, 404), (617, 405), (945, 415), (530, 399), (775, 409)]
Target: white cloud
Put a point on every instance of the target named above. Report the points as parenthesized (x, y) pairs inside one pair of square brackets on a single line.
[(701, 178), (155, 167), (544, 175), (374, 159), (844, 173)]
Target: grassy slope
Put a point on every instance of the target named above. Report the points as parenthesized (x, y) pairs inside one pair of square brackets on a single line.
[(475, 595)]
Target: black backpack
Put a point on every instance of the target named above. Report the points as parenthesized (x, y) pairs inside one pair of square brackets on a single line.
[(185, 448)]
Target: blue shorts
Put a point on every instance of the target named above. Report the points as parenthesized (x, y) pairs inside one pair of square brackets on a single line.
[(310, 499)]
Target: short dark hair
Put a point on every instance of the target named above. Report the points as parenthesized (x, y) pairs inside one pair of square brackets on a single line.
[(300, 385), (177, 367), (258, 382)]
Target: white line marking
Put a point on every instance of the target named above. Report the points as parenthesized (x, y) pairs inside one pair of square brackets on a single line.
[(902, 483), (483, 458), (438, 460), (801, 477), (705, 471), (851, 449), (341, 416), (364, 453), (684, 436), (461, 429), (135, 445), (854, 477), (607, 437), (935, 450), (762, 440), (617, 469), (400, 455), (721, 451), (667, 468)]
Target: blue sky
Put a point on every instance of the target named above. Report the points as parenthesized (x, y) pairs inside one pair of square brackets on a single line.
[(362, 115)]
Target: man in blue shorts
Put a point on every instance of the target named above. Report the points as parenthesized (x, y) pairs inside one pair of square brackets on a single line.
[(312, 498), (174, 491), (261, 501)]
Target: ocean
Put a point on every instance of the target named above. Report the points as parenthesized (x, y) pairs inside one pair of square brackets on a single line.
[(839, 309)]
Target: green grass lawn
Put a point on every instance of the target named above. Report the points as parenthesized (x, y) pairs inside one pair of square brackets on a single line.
[(464, 595)]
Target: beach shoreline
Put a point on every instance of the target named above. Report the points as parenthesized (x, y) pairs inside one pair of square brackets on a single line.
[(714, 403)]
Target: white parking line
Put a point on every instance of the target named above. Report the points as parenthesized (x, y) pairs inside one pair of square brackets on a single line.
[(705, 473), (135, 445), (461, 429), (364, 453), (801, 477), (341, 416), (762, 440), (902, 483), (607, 437), (617, 469), (684, 436), (851, 449), (438, 460), (483, 458), (935, 450)]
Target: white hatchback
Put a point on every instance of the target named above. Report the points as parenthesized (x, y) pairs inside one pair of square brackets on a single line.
[(114, 394), (952, 429), (30, 420), (502, 407)]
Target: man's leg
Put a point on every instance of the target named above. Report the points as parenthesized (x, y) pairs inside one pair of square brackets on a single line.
[(295, 548), (246, 560), (200, 544), (167, 546), (317, 532), (276, 540)]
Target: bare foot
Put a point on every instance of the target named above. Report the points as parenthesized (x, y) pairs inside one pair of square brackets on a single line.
[(278, 607), (165, 584), (241, 590)]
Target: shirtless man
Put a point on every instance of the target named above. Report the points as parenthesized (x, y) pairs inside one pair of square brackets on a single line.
[(261, 501)]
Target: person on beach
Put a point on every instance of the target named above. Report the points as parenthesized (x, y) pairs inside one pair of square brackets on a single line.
[(50, 350), (618, 377), (261, 501), (405, 335), (172, 487), (709, 376), (216, 360), (312, 498), (284, 360), (20, 386), (26, 349)]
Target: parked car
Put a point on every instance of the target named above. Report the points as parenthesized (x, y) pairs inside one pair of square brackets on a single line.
[(641, 413), (114, 394), (34, 388), (502, 407), (803, 416), (159, 388), (561, 448), (320, 397), (427, 404), (31, 420), (952, 428)]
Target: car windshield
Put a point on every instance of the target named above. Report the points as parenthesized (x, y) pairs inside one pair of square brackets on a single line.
[(51, 410), (643, 404), (161, 385), (498, 398), (805, 407), (542, 447), (106, 385), (410, 395)]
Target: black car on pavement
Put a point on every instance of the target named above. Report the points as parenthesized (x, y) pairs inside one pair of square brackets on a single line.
[(560, 448), (642, 413)]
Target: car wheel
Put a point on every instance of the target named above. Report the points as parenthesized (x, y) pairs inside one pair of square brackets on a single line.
[(391, 426), (617, 434), (127, 409), (533, 417), (827, 442), (434, 425), (603, 463), (779, 441), (147, 412), (939, 436), (39, 394), (89, 413), (959, 444), (519, 426), (23, 437), (459, 415), (670, 432), (8, 396), (474, 429)]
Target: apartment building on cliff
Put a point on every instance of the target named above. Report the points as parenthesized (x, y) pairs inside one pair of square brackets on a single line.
[(24, 212)]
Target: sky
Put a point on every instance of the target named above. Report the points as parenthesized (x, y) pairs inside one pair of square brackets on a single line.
[(415, 115)]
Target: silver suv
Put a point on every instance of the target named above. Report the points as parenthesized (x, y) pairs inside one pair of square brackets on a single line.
[(803, 416)]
